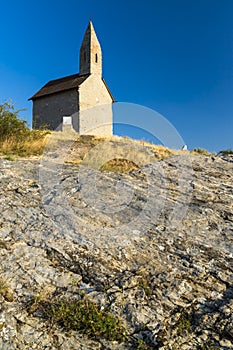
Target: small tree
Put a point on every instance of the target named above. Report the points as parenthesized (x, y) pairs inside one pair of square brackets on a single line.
[(10, 124)]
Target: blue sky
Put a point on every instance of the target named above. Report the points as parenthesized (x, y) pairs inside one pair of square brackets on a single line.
[(173, 56)]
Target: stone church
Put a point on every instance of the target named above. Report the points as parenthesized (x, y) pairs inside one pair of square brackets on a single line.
[(80, 101)]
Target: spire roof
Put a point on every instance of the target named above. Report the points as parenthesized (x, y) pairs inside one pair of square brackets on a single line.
[(90, 52)]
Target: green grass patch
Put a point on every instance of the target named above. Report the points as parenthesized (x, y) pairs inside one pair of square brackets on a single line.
[(10, 158), (81, 315)]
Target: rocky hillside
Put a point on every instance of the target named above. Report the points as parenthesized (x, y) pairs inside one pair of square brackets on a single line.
[(95, 259)]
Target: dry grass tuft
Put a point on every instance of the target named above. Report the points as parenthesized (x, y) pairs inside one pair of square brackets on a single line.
[(119, 165), (33, 144)]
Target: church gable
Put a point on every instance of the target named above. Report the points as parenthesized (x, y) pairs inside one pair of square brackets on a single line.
[(94, 92)]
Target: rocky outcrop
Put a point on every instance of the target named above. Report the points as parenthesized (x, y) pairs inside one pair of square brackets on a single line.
[(154, 247)]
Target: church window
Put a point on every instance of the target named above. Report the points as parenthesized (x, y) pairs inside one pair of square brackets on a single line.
[(96, 58)]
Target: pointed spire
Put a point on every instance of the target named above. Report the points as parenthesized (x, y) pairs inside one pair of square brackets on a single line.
[(90, 53)]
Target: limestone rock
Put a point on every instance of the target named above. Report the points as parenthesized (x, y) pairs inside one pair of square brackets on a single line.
[(155, 248)]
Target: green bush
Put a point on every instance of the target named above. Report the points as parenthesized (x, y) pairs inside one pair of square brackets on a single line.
[(16, 138), (10, 124), (226, 152)]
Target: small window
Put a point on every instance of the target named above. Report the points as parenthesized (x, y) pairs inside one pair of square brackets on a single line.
[(96, 58), (85, 56)]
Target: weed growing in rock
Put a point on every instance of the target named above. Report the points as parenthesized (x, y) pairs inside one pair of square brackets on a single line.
[(3, 286), (201, 151), (10, 158), (183, 325), (141, 345), (3, 244), (208, 346), (5, 290), (145, 286), (81, 315)]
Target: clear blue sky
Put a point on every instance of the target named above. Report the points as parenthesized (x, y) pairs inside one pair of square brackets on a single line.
[(174, 56)]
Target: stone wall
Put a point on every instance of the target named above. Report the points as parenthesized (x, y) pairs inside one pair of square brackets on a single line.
[(50, 109), (95, 109)]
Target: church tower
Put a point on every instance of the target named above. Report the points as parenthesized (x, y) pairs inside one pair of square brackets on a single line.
[(90, 53)]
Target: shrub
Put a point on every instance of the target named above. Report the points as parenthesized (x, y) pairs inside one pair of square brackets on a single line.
[(226, 152)]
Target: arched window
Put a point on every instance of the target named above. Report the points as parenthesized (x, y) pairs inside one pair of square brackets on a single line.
[(96, 58)]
